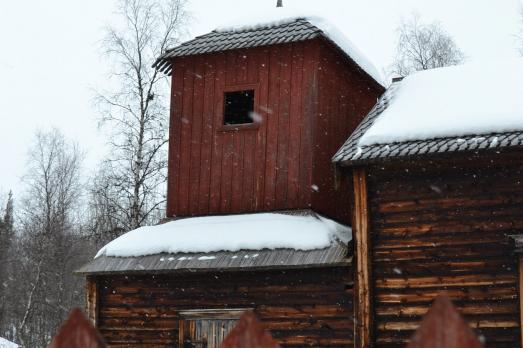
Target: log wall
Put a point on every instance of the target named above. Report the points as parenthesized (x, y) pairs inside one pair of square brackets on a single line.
[(301, 307), (444, 226)]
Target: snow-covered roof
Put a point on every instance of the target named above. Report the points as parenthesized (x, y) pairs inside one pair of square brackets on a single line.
[(279, 25), (229, 233), (467, 107), (7, 344)]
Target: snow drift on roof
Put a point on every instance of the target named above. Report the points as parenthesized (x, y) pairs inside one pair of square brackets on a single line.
[(470, 99), (7, 344), (229, 233), (279, 16)]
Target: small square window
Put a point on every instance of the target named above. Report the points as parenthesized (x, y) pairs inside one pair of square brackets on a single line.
[(239, 106)]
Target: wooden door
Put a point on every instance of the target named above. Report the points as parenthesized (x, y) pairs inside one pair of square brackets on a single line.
[(206, 333), (206, 328)]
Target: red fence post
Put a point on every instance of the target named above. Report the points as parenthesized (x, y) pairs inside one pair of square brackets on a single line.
[(77, 332), (249, 333), (443, 327)]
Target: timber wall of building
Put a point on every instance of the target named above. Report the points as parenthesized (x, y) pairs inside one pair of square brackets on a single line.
[(310, 307), (310, 98), (345, 96), (444, 227)]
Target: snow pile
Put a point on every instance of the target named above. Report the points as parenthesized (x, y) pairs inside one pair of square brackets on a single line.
[(7, 344), (279, 16), (470, 99), (229, 233)]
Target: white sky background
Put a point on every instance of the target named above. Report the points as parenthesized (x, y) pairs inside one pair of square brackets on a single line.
[(50, 55)]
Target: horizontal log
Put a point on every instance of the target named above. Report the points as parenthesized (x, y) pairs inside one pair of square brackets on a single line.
[(438, 242), (226, 300), (488, 308), (442, 203), (450, 281), (384, 270), (449, 253), (452, 213), (407, 296), (413, 325)]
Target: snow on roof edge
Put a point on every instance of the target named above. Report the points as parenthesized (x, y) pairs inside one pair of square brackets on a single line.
[(330, 31), (471, 99), (228, 233)]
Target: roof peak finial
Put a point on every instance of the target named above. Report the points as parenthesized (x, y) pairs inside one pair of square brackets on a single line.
[(279, 3)]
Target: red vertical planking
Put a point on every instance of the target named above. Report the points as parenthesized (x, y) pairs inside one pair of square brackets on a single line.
[(294, 124), (196, 135), (217, 145), (253, 65), (306, 114), (250, 136), (227, 138), (175, 137), (310, 98), (261, 136), (230, 68), (237, 176), (272, 127), (343, 107), (237, 171), (321, 129), (343, 97), (207, 135), (242, 63), (185, 155), (227, 163), (249, 144), (336, 124), (283, 126)]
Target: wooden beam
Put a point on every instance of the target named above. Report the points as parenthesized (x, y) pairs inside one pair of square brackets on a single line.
[(362, 293), (181, 333), (520, 264), (91, 301)]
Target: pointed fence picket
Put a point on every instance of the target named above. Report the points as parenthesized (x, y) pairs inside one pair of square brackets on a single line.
[(444, 327), (77, 332), (249, 332)]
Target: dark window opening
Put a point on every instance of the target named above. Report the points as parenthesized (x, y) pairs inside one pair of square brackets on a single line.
[(239, 107)]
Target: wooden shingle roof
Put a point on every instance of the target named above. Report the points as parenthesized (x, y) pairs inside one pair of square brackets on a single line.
[(334, 255), (217, 41), (351, 153), (290, 30)]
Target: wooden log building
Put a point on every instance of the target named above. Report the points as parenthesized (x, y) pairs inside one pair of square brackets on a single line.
[(438, 214), (256, 115)]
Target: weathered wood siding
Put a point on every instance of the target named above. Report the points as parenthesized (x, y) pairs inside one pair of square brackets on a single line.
[(310, 98), (345, 96), (301, 307), (444, 226)]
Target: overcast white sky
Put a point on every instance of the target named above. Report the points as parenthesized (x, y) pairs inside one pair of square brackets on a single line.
[(50, 59)]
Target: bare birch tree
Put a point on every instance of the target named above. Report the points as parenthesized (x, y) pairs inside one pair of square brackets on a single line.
[(131, 181), (50, 246), (424, 46)]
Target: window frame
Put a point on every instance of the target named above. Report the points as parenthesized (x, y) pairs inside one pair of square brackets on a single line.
[(254, 125)]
